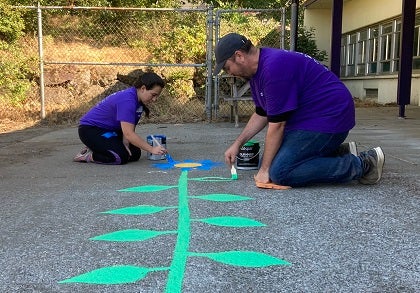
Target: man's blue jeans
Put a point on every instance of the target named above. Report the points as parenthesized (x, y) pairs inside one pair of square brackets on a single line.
[(307, 157)]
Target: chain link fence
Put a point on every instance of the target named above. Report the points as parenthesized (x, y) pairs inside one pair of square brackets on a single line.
[(265, 28), (86, 53)]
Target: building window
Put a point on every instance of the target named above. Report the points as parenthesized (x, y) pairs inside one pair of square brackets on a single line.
[(343, 54), (416, 51), (388, 45), (372, 49), (375, 50), (351, 55), (361, 48), (397, 44), (385, 43)]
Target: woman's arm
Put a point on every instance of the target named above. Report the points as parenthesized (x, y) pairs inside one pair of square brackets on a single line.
[(132, 137)]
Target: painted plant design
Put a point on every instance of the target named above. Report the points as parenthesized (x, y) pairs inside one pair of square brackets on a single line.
[(123, 274)]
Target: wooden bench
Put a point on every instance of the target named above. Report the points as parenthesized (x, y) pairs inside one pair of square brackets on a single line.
[(239, 92)]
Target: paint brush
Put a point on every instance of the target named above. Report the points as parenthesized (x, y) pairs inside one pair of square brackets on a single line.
[(233, 172), (169, 158), (167, 155)]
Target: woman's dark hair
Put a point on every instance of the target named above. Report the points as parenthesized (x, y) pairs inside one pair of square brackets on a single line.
[(149, 80)]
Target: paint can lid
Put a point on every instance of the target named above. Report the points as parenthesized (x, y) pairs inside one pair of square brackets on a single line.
[(251, 142)]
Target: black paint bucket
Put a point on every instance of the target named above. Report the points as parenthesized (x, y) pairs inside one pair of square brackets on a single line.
[(248, 157)]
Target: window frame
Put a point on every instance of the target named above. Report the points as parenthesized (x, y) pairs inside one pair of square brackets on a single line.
[(374, 50)]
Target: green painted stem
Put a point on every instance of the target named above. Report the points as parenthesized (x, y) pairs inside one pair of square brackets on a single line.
[(177, 268)]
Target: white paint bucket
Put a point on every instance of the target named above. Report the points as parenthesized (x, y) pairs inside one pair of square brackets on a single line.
[(162, 140)]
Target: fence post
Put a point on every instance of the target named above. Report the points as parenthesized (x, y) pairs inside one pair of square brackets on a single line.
[(216, 77), (41, 62), (294, 25), (209, 52), (283, 27)]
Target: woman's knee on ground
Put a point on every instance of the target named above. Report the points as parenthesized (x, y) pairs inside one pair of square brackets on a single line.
[(135, 154), (120, 158)]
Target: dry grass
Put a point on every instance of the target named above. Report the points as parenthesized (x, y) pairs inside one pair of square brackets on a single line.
[(68, 112), (164, 111), (65, 105), (65, 52), (367, 103)]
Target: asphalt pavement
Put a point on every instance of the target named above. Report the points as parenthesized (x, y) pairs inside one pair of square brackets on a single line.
[(149, 226)]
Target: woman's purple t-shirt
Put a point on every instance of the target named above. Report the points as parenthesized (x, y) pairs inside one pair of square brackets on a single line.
[(291, 81), (120, 106)]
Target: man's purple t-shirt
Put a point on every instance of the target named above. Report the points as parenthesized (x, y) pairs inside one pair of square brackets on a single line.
[(290, 81), (120, 106)]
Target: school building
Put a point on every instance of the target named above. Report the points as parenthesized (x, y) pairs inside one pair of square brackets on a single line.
[(366, 51)]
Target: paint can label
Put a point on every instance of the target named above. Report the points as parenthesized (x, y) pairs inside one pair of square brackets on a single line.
[(248, 157), (162, 140)]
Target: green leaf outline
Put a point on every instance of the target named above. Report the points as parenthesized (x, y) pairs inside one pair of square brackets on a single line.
[(222, 197), (148, 188), (211, 179), (138, 210), (243, 258), (130, 235), (228, 221), (122, 274)]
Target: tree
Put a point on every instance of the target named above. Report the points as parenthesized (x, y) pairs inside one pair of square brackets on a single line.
[(306, 44)]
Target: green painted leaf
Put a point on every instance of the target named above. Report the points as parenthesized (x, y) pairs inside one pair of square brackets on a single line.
[(147, 188), (232, 222), (110, 275), (131, 235), (211, 179), (222, 197), (243, 258), (138, 210)]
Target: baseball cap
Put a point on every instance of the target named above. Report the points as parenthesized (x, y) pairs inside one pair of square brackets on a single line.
[(226, 47)]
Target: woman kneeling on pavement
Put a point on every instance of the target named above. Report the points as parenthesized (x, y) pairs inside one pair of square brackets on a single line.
[(108, 129)]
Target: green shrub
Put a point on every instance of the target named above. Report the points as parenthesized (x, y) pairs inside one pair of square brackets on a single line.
[(16, 73), (180, 84), (181, 44), (11, 24)]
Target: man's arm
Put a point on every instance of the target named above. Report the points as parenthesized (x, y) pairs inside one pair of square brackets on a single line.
[(255, 124), (273, 140)]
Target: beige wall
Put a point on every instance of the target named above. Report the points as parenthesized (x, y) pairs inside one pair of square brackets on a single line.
[(357, 14), (385, 85), (320, 20)]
